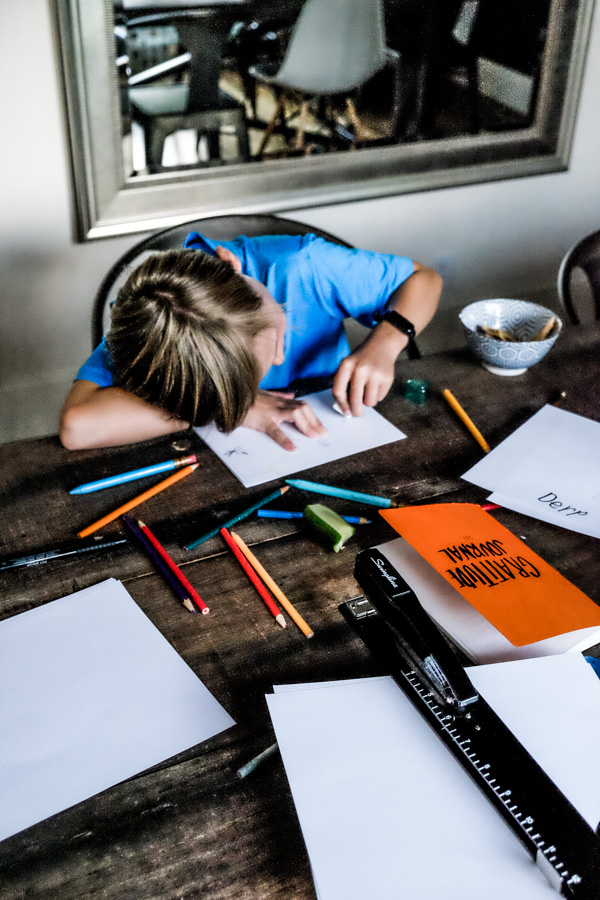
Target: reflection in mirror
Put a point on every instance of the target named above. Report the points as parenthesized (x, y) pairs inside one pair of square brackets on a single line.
[(207, 83)]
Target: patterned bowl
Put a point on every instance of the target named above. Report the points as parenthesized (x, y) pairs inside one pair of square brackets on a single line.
[(517, 317)]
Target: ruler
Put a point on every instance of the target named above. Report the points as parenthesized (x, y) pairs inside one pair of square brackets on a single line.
[(395, 627)]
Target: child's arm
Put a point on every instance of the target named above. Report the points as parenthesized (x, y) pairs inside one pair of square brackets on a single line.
[(271, 408), (106, 417), (365, 377)]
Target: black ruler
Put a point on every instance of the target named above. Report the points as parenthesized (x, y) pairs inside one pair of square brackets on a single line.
[(389, 619)]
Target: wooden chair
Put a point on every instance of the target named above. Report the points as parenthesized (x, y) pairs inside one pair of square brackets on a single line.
[(585, 258), (335, 46)]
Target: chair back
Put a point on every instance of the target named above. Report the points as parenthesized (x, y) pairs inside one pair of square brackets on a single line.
[(203, 32), (221, 228), (336, 45), (585, 257)]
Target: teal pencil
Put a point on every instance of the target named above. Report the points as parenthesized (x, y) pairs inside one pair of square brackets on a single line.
[(331, 491), (238, 518)]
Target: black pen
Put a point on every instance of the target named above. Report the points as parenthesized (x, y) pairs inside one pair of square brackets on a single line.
[(408, 622), (72, 549)]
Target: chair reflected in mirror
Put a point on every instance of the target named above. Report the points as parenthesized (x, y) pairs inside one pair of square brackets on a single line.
[(334, 48), (163, 102)]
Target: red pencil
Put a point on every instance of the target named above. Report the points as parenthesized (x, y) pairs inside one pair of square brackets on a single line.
[(271, 605), (175, 569)]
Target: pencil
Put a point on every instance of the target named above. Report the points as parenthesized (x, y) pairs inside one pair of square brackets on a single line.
[(133, 475), (271, 605), (193, 593), (172, 479), (331, 491), (289, 514), (238, 518), (159, 564), (275, 590), (36, 559), (455, 405), (256, 761)]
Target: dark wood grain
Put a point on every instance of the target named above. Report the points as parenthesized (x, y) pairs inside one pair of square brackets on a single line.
[(189, 827)]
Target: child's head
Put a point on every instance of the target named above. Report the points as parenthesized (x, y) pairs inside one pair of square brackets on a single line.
[(182, 334)]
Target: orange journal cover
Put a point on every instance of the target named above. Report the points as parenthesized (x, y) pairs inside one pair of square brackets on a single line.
[(520, 594)]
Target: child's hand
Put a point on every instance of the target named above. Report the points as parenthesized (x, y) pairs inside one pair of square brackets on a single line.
[(271, 408), (364, 377)]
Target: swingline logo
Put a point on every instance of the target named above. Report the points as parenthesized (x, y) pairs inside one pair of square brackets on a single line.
[(381, 566)]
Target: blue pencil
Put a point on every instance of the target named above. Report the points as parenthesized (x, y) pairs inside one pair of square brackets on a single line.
[(288, 514), (133, 475), (330, 491)]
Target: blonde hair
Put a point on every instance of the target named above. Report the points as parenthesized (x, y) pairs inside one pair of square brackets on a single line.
[(181, 337)]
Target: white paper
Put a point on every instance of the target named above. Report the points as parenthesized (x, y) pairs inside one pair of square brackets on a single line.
[(91, 693), (385, 809), (549, 468), (255, 458), (464, 624), (552, 705)]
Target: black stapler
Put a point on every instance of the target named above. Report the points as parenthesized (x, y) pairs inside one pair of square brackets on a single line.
[(391, 621)]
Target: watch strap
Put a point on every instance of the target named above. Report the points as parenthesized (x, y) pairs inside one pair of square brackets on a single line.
[(401, 323)]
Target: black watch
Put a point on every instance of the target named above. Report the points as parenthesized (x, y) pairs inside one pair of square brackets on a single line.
[(405, 326)]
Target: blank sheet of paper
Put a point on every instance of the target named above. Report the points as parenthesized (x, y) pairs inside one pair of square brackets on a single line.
[(552, 705), (91, 693), (549, 469), (255, 458), (385, 809)]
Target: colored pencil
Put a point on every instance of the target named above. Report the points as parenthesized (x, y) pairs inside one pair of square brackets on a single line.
[(274, 588), (288, 514), (172, 479), (331, 491), (159, 564), (488, 507), (257, 760), (133, 475), (238, 518), (193, 593), (35, 559), (261, 589), (466, 420)]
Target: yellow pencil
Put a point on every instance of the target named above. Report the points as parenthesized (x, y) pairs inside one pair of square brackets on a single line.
[(137, 500), (467, 421), (276, 591)]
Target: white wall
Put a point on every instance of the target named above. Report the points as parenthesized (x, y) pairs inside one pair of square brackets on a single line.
[(501, 239)]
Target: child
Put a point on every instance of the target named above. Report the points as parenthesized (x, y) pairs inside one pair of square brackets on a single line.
[(217, 331)]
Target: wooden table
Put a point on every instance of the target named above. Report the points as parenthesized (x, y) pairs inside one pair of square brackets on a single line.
[(190, 828)]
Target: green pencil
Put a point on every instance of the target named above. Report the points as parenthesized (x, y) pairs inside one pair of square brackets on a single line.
[(238, 518)]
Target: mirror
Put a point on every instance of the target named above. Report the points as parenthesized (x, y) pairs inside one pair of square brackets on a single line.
[(183, 109)]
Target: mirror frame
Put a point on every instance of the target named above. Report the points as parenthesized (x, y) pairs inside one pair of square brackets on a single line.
[(107, 204)]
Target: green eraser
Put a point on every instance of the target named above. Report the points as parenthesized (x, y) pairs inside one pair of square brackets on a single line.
[(334, 530)]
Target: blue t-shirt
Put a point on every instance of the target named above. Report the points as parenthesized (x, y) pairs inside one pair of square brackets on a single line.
[(317, 283)]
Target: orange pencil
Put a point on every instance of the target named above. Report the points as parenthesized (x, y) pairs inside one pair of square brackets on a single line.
[(462, 415), (273, 587), (260, 588), (172, 479), (174, 569)]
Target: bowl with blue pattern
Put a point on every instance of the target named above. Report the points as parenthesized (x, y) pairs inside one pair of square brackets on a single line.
[(509, 336)]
